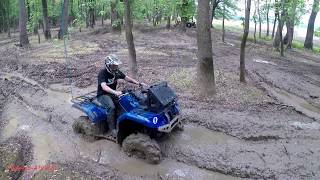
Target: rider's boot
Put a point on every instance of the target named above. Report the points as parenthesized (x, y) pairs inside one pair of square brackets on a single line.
[(112, 129)]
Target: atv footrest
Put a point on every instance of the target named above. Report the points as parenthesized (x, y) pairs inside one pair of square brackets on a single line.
[(107, 136)]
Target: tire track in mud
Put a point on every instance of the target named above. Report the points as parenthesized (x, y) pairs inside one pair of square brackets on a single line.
[(243, 158), (299, 104)]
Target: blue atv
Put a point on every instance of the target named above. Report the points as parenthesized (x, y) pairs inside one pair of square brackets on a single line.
[(142, 117)]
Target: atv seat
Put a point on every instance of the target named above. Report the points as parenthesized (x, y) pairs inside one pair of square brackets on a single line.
[(96, 102)]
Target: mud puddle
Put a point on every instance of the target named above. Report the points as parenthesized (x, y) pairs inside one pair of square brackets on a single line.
[(109, 153), (195, 136), (48, 141), (170, 169)]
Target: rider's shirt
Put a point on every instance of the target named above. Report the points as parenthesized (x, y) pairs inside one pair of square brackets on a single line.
[(110, 79)]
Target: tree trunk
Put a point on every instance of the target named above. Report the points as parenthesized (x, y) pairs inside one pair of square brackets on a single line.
[(211, 11), (46, 25), (278, 37), (8, 19), (268, 8), (281, 22), (168, 22), (259, 18), (102, 16), (64, 20), (243, 42), (290, 25), (223, 18), (205, 72), (274, 24), (115, 21), (182, 24), (214, 5), (23, 24), (72, 14), (91, 14), (129, 37), (308, 43), (289, 36), (255, 23), (28, 11)]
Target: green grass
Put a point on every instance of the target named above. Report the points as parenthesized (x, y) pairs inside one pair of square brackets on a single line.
[(263, 38), (297, 45), (316, 50)]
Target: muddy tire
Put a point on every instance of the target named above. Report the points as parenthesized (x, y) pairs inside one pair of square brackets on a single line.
[(179, 127), (78, 123), (142, 146), (84, 126)]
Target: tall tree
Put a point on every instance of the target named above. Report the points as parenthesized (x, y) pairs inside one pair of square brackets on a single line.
[(91, 13), (280, 27), (46, 25), (259, 18), (223, 19), (114, 16), (308, 43), (267, 15), (184, 19), (290, 24), (276, 17), (205, 62), (23, 24), (255, 22), (213, 6), (129, 37), (244, 41), (64, 20), (278, 39)]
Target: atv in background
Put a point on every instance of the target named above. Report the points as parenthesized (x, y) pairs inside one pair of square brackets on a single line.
[(142, 117), (191, 24)]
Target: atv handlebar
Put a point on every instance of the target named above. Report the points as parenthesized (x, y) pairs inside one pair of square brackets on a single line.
[(129, 91)]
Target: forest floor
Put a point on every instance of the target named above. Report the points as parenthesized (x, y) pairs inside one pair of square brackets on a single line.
[(266, 128)]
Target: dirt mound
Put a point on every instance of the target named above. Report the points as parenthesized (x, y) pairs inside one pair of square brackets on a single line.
[(78, 170), (15, 153)]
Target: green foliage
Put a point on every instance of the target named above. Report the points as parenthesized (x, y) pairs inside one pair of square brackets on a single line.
[(231, 9), (116, 24), (250, 38), (317, 32), (300, 9), (186, 8), (316, 50), (299, 45)]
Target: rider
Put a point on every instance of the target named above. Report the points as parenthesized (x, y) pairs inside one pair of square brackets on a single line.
[(107, 84)]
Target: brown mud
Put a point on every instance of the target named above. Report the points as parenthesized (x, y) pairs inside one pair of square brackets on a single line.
[(266, 128)]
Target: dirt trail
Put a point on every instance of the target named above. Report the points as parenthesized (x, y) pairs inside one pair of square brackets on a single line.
[(241, 132)]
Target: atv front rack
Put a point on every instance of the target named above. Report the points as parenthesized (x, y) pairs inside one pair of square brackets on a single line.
[(83, 98), (168, 127)]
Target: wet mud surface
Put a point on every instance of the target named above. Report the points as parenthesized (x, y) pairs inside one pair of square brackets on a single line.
[(267, 128)]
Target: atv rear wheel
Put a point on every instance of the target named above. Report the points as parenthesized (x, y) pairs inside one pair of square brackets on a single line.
[(142, 146)]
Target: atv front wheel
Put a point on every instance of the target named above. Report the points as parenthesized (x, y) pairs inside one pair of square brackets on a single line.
[(142, 146), (179, 127)]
